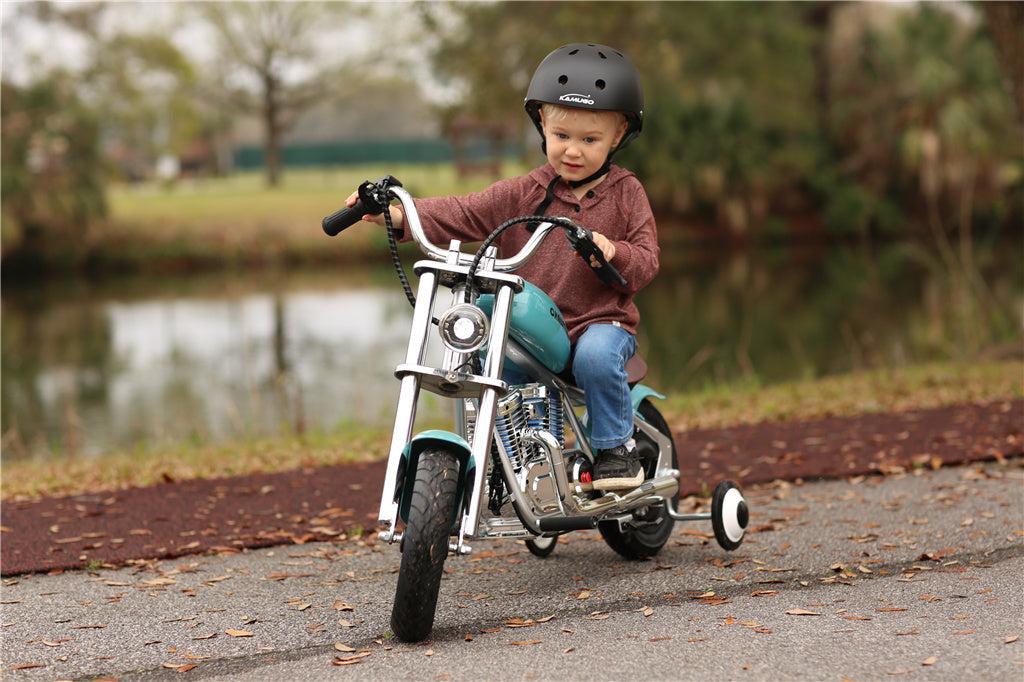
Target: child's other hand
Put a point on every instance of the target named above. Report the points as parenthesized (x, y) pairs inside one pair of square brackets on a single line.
[(606, 246), (396, 213)]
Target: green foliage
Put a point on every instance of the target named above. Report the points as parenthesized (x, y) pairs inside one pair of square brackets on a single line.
[(759, 109), (51, 182)]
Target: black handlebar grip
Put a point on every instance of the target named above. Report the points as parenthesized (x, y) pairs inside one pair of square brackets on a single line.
[(346, 217)]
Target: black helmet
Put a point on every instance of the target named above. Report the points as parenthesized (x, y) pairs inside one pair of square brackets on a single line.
[(588, 76)]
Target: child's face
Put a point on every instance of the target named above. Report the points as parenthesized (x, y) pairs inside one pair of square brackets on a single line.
[(578, 141)]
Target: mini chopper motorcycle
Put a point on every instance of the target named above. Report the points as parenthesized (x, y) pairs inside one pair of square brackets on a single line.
[(519, 462)]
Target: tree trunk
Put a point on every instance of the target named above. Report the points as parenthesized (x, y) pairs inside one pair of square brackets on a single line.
[(1006, 25), (272, 131)]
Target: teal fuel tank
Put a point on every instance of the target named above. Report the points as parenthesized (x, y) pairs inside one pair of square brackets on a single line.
[(537, 324)]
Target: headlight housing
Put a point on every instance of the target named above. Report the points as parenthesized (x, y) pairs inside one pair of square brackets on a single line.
[(463, 328)]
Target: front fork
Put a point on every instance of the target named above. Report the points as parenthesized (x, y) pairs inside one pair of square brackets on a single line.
[(409, 393)]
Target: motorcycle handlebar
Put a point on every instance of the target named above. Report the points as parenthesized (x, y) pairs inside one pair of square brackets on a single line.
[(374, 197), (343, 218)]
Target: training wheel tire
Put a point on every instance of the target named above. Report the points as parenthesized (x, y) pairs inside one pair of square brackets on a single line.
[(729, 515), (541, 546)]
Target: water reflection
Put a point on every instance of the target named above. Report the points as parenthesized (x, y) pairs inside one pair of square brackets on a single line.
[(89, 368)]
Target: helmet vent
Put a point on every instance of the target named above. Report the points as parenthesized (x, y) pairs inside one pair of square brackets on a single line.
[(574, 52), (601, 54), (600, 84), (563, 79)]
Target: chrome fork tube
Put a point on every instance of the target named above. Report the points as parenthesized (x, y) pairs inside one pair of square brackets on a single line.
[(405, 414), (484, 431)]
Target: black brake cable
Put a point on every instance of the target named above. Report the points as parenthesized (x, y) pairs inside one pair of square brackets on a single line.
[(530, 219), (395, 260)]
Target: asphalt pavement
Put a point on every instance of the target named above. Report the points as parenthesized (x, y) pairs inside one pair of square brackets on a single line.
[(915, 576)]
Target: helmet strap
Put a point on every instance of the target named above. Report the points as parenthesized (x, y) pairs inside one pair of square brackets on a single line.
[(605, 167)]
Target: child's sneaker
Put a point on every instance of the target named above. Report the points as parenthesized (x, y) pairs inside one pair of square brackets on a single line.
[(618, 468)]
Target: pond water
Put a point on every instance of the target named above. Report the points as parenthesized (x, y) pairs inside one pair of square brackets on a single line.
[(89, 367)]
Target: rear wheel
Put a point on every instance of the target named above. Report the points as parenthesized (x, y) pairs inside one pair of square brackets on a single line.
[(425, 544), (651, 526), (541, 547)]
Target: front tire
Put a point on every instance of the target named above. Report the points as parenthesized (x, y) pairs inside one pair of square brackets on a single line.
[(644, 541), (425, 544)]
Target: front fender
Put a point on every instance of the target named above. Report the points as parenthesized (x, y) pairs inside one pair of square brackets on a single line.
[(410, 461)]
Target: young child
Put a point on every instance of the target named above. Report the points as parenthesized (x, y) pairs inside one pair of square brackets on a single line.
[(587, 104)]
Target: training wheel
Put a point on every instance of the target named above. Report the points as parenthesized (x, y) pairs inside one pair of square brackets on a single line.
[(729, 515), (540, 546)]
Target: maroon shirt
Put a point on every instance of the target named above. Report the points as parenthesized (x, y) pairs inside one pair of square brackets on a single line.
[(617, 208)]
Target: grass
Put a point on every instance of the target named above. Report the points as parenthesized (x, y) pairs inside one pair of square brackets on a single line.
[(889, 390), (238, 220)]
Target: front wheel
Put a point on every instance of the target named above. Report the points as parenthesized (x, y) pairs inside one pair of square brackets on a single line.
[(425, 544), (653, 526)]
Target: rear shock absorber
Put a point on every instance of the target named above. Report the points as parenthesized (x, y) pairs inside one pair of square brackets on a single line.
[(555, 416)]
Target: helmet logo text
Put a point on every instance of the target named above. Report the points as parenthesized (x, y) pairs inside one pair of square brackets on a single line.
[(576, 98)]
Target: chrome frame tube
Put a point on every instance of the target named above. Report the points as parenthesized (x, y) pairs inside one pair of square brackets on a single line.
[(554, 454), (484, 429), (405, 413)]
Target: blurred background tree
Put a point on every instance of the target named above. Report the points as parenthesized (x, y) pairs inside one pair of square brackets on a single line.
[(846, 117), (764, 120), (271, 50)]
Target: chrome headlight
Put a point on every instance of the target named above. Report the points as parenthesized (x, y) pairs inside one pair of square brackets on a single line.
[(463, 328)]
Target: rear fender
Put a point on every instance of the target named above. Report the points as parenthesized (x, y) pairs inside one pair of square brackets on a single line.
[(410, 462), (639, 393)]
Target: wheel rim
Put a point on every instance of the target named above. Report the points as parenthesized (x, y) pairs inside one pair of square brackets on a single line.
[(735, 515)]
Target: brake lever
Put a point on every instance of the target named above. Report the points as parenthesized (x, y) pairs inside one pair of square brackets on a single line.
[(582, 240)]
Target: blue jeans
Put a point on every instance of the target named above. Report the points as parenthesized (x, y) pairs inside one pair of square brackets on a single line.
[(599, 368)]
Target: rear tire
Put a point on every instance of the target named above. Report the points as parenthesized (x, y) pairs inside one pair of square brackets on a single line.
[(541, 547), (425, 544), (643, 542)]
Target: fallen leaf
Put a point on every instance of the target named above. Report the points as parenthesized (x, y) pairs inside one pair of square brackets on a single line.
[(569, 650), (238, 633), (763, 593), (659, 639), (931, 660), (349, 660), (890, 609), (908, 633), (27, 666), (209, 636), (343, 647), (528, 642), (1011, 639), (346, 624), (647, 611), (339, 605), (801, 612), (584, 594)]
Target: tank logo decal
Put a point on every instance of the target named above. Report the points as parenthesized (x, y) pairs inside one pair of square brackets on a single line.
[(558, 317)]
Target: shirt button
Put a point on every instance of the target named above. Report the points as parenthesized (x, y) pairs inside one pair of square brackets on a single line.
[(590, 194)]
